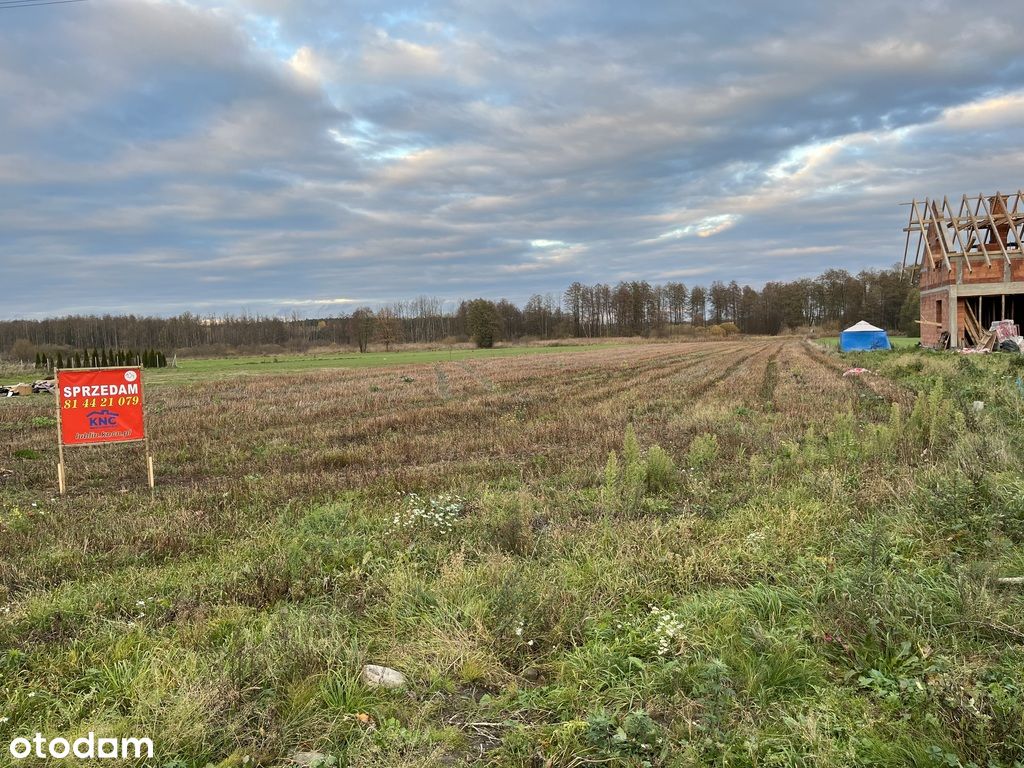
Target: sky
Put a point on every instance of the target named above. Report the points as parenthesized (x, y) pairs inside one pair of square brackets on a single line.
[(312, 156)]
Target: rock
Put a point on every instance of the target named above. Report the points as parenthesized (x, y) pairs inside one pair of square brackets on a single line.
[(385, 677), (308, 759), (532, 674)]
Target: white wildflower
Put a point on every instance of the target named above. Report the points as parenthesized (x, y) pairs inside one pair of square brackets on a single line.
[(439, 512), (667, 631)]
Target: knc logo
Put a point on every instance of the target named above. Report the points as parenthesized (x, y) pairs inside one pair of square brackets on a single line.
[(87, 747), (105, 419)]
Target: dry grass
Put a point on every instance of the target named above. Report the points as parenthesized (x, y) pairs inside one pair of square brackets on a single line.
[(797, 544)]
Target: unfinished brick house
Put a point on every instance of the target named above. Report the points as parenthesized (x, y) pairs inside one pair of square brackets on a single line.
[(969, 266)]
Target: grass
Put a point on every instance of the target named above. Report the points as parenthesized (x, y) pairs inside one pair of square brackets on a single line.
[(663, 555), (897, 342), (190, 370)]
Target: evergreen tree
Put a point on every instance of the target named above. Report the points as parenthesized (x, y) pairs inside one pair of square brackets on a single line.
[(46, 363), (78, 360), (103, 359), (39, 363), (482, 322), (60, 360), (95, 358)]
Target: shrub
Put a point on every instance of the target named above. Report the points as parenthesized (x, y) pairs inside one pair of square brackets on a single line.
[(639, 475), (661, 470), (483, 322), (703, 451), (22, 350), (934, 421)]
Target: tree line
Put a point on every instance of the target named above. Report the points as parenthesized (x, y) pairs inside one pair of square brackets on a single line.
[(828, 302), (149, 358)]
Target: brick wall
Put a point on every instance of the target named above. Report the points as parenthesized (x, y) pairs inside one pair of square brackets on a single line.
[(984, 273), (933, 278)]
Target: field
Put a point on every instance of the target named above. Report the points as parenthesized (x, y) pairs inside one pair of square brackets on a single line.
[(655, 555), (203, 369), (898, 342)]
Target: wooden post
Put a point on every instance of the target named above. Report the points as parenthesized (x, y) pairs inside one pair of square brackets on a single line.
[(149, 457), (61, 485)]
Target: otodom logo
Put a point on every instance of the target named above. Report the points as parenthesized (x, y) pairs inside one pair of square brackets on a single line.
[(105, 419), (88, 747)]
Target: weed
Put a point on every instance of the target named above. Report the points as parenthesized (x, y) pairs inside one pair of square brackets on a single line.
[(437, 512), (703, 452), (633, 482)]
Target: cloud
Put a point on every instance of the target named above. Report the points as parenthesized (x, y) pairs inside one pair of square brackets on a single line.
[(709, 226), (264, 153), (307, 64)]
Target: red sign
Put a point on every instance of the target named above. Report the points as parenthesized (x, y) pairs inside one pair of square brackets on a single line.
[(100, 405)]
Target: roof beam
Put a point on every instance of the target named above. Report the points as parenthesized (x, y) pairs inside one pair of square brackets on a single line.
[(956, 234), (995, 228), (924, 230), (977, 232)]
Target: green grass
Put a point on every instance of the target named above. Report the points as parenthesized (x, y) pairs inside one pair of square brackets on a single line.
[(898, 342), (668, 555), (191, 370)]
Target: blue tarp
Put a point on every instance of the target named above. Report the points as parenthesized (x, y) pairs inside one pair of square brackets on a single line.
[(863, 337)]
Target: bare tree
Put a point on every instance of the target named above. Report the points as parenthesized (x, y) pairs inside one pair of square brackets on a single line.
[(361, 327), (23, 350), (389, 328)]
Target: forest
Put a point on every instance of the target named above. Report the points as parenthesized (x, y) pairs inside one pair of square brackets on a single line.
[(824, 304)]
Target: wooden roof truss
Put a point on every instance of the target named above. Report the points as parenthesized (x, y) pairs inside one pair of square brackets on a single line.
[(982, 227)]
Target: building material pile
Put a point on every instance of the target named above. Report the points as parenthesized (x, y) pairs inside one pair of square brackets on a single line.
[(21, 389), (1008, 338), (983, 341), (1002, 335), (14, 390)]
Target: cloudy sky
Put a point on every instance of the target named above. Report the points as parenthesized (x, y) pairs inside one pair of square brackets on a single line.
[(308, 155)]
